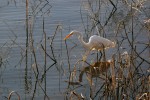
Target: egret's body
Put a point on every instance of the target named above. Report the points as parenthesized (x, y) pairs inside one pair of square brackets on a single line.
[(99, 43), (95, 42)]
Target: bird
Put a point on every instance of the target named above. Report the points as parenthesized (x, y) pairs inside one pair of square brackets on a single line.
[(95, 42)]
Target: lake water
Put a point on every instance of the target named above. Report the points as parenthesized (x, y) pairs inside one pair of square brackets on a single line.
[(16, 75)]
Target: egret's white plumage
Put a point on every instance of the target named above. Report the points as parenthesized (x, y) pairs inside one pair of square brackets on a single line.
[(95, 42), (99, 43)]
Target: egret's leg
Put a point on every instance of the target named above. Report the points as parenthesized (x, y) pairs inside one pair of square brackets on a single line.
[(100, 56), (97, 56), (104, 56)]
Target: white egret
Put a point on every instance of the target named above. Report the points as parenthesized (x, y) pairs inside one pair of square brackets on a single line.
[(95, 42)]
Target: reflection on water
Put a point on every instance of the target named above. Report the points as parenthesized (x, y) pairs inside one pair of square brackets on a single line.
[(42, 67)]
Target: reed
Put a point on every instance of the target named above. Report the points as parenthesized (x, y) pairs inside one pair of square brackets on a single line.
[(11, 93)]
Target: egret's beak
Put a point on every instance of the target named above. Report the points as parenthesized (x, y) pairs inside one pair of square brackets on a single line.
[(67, 36)]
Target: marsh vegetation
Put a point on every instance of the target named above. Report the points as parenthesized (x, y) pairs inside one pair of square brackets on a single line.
[(37, 64)]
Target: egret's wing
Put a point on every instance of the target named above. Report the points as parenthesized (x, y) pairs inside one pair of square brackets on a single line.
[(95, 42), (98, 42)]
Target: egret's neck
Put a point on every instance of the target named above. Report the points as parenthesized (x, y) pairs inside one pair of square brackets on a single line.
[(80, 37)]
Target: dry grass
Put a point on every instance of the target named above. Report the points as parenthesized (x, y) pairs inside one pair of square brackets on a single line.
[(124, 78)]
